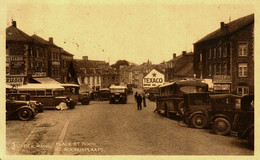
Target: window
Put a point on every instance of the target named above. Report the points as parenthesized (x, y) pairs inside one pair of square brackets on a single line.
[(210, 69), (242, 49), (200, 57), (88, 80), (210, 53), (224, 69), (97, 80), (225, 51), (220, 52), (214, 69), (242, 90), (242, 70), (215, 52), (218, 69)]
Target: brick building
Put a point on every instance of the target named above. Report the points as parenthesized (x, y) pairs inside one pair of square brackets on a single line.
[(67, 70), (31, 57), (227, 56), (18, 47)]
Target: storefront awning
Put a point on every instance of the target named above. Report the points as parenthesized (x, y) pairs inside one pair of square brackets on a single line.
[(46, 80)]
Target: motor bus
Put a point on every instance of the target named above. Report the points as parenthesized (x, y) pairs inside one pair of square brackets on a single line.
[(49, 95)]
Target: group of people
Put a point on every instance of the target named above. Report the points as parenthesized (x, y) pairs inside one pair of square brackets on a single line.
[(139, 99)]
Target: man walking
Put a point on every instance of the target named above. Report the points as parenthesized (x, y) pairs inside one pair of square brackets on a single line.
[(136, 94), (144, 100), (139, 102)]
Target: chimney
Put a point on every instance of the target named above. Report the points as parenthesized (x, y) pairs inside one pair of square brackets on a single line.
[(184, 53), (222, 25), (174, 55), (51, 40), (14, 23), (85, 58)]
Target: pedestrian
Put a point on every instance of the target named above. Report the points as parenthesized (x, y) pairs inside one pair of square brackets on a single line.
[(144, 102), (136, 94), (157, 105), (139, 102)]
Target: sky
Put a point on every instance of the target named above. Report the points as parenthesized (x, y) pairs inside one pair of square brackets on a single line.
[(123, 30)]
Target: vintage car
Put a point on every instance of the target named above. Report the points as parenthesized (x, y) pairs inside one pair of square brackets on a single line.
[(170, 99), (49, 95), (224, 107), (243, 123), (22, 109), (118, 94), (196, 109), (25, 97), (152, 93), (76, 93), (103, 94)]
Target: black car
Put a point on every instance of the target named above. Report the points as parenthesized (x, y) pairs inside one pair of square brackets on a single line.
[(118, 94), (243, 124), (26, 97), (22, 109)]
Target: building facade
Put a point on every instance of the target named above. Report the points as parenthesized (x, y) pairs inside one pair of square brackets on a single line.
[(31, 57), (227, 56), (18, 47), (67, 69), (180, 67)]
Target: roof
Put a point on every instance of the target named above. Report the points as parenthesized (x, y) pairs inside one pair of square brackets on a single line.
[(66, 53), (118, 87), (35, 86), (183, 65), (230, 28), (39, 40), (221, 96), (15, 34), (69, 85)]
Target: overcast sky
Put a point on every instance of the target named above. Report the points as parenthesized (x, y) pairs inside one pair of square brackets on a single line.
[(132, 31)]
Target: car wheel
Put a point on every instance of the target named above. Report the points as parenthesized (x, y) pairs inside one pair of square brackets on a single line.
[(221, 126), (181, 108), (251, 138), (41, 109), (199, 121), (85, 102), (71, 106), (25, 114)]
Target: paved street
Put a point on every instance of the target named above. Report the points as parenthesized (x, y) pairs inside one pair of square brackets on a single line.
[(114, 129)]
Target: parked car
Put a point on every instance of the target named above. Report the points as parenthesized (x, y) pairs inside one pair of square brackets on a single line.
[(129, 88), (104, 94), (84, 94), (25, 97), (243, 123), (152, 93), (223, 110), (22, 109), (118, 94), (196, 109), (170, 99)]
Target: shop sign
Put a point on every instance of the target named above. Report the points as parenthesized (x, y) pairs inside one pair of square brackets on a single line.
[(14, 80), (153, 79), (14, 58), (17, 65), (221, 87), (39, 74), (55, 63), (221, 79)]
